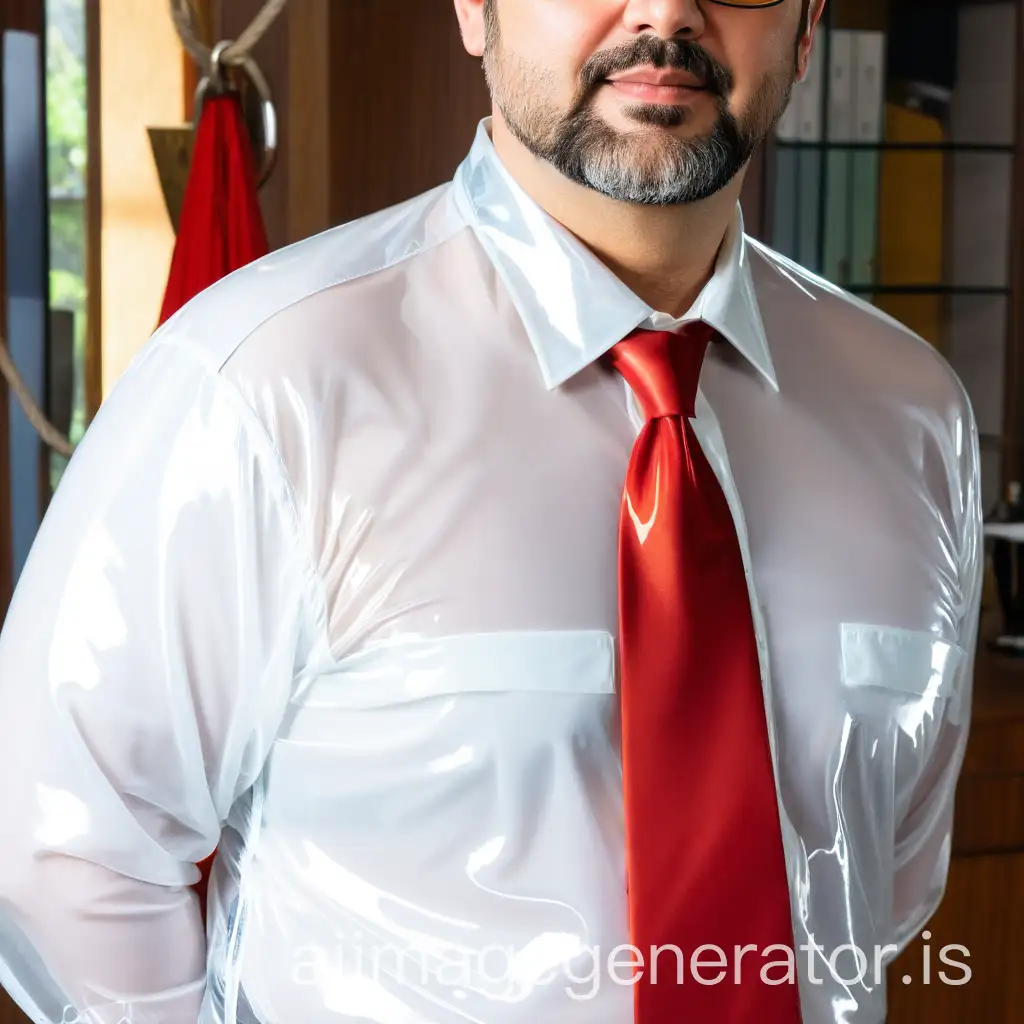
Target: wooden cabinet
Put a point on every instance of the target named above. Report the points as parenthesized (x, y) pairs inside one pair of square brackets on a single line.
[(984, 905)]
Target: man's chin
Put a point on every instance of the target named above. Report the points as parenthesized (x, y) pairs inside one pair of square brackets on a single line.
[(651, 145), (658, 122)]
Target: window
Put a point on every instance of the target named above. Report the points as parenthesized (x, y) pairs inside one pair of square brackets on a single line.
[(67, 149)]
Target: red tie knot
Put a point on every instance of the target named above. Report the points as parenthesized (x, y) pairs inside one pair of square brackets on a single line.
[(663, 368)]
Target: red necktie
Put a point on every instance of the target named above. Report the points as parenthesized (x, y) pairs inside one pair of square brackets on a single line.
[(704, 849)]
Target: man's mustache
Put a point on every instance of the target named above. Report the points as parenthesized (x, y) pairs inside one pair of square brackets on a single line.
[(647, 51)]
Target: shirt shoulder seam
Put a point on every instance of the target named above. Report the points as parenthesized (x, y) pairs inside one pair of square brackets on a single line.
[(251, 424)]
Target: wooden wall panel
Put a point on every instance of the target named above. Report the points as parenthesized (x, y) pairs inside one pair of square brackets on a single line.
[(405, 101), (307, 143), (26, 15)]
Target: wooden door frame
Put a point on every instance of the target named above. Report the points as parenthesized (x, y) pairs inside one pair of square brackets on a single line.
[(93, 215)]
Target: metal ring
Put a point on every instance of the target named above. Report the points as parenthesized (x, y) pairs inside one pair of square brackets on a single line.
[(217, 71), (217, 83)]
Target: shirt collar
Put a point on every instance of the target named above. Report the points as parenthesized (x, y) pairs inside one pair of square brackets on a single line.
[(573, 307)]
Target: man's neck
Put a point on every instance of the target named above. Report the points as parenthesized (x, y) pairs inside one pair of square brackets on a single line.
[(665, 254)]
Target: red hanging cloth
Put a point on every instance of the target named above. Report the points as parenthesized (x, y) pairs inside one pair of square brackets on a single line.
[(220, 230), (221, 227)]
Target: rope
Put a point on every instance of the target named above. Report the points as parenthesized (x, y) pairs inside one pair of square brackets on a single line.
[(46, 430), (184, 20)]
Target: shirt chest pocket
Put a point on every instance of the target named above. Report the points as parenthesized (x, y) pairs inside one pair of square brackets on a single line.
[(888, 667), (461, 728), (492, 692), (899, 687), (405, 671)]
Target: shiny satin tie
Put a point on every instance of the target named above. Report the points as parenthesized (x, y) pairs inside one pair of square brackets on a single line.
[(704, 852)]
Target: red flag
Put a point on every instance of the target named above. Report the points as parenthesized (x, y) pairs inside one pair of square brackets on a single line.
[(221, 228)]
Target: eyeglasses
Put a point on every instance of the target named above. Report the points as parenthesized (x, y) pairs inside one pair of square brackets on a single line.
[(748, 3)]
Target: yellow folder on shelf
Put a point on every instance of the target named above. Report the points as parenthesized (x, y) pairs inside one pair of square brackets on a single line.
[(911, 214)]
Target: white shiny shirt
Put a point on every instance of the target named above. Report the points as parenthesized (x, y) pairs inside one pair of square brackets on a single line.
[(331, 585)]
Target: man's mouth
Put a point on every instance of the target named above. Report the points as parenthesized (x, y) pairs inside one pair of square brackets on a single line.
[(653, 85)]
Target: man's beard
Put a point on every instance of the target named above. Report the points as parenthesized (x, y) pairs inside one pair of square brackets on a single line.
[(640, 166)]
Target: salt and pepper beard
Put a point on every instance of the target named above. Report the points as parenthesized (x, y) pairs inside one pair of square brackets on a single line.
[(635, 166)]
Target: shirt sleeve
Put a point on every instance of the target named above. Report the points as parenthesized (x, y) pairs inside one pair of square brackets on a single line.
[(924, 835), (145, 665)]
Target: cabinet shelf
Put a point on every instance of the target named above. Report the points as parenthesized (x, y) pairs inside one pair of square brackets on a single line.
[(897, 147), (926, 289)]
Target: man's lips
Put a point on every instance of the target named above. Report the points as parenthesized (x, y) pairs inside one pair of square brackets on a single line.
[(653, 86), (652, 76)]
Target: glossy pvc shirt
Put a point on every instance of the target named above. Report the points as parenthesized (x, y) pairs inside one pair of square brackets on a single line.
[(331, 585)]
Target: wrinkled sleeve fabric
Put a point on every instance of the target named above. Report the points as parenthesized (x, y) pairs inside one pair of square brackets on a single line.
[(924, 834), (145, 664)]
